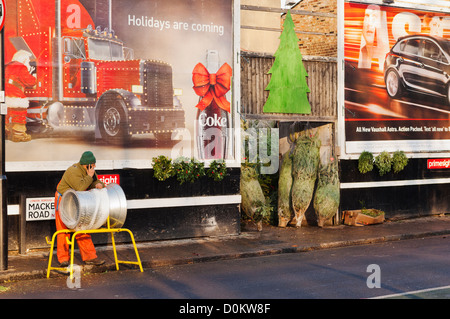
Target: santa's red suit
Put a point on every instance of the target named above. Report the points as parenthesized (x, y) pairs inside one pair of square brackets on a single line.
[(17, 78)]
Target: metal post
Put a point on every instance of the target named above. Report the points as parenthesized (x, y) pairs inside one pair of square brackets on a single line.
[(3, 193), (57, 48), (22, 225)]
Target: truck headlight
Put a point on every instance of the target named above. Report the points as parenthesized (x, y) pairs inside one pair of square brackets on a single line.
[(137, 89)]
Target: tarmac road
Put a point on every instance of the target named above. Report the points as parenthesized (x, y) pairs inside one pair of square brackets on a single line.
[(403, 266)]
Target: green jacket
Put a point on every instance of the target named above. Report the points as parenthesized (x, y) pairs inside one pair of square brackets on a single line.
[(77, 178)]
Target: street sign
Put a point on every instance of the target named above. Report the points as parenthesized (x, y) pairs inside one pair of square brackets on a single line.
[(40, 208)]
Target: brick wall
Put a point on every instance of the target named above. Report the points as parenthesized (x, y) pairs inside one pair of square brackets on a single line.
[(317, 45)]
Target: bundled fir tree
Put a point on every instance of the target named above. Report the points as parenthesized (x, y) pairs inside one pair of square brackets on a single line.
[(288, 87), (301, 167), (327, 196), (305, 163), (253, 201), (284, 191)]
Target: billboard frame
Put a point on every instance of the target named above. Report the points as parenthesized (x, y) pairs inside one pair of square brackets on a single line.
[(146, 163), (427, 5)]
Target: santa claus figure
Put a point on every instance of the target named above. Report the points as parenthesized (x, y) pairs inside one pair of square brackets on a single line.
[(18, 77)]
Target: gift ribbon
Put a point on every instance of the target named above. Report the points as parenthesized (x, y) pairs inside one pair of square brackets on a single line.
[(212, 87)]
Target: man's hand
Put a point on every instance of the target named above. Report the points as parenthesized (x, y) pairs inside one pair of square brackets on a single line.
[(91, 170), (99, 185)]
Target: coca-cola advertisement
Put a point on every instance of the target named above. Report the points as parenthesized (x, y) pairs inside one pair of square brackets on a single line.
[(213, 115), (397, 88), (128, 80)]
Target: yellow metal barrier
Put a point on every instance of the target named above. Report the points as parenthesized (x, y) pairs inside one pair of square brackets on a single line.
[(71, 243)]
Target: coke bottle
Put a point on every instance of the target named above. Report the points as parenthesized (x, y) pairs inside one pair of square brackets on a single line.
[(212, 132), (213, 115)]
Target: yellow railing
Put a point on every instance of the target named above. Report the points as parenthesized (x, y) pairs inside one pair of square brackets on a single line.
[(71, 243)]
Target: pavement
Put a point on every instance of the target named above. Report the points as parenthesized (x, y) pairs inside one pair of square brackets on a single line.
[(249, 243)]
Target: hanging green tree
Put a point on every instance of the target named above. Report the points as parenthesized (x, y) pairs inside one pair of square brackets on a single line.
[(287, 86)]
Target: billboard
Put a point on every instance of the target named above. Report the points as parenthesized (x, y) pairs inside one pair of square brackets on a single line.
[(397, 76), (128, 80)]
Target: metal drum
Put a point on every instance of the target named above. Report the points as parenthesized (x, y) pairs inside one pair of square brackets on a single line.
[(117, 205), (90, 209)]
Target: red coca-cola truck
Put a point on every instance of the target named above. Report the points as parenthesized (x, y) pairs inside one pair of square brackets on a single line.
[(86, 77)]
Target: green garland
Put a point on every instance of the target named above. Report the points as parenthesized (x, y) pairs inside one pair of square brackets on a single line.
[(217, 170), (187, 170), (162, 168), (399, 161), (384, 163), (365, 162)]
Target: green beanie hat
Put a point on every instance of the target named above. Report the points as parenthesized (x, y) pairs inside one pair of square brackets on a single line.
[(87, 158)]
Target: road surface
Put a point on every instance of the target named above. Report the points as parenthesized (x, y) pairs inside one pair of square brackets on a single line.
[(403, 266)]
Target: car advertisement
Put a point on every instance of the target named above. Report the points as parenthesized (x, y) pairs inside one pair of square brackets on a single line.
[(127, 80), (397, 76)]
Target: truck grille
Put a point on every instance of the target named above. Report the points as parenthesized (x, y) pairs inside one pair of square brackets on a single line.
[(158, 87)]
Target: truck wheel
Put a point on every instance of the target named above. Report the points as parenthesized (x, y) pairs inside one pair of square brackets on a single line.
[(113, 123), (55, 114)]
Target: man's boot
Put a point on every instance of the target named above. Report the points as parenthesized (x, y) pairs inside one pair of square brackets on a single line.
[(18, 127), (19, 134), (8, 132)]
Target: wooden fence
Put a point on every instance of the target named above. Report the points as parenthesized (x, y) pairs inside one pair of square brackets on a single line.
[(322, 82)]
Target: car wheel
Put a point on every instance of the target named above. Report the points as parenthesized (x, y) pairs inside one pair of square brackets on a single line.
[(393, 84)]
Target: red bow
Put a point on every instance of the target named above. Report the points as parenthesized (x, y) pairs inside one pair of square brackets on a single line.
[(212, 87)]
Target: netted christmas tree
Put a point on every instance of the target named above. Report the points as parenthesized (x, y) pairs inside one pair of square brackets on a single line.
[(287, 86)]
